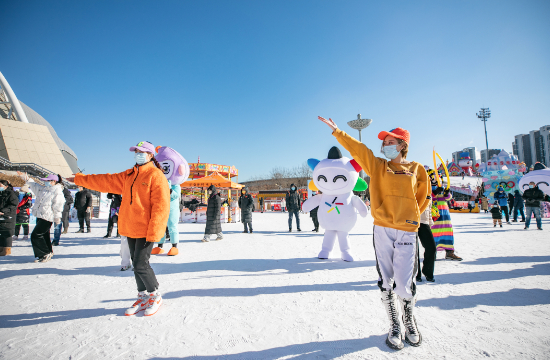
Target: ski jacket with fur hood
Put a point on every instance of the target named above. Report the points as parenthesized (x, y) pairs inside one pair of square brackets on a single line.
[(145, 199), (49, 202)]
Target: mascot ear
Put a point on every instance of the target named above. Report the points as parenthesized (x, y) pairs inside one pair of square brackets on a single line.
[(360, 185), (181, 170), (157, 149), (356, 166), (312, 163), (312, 186)]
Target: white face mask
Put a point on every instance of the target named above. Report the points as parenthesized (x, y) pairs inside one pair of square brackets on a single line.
[(390, 151)]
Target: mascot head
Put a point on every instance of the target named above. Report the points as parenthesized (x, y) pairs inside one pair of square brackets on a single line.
[(336, 174), (174, 166)]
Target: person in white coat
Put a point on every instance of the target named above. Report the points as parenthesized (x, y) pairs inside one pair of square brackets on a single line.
[(48, 208)]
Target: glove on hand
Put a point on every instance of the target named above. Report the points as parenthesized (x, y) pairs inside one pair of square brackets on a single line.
[(446, 192), (438, 190)]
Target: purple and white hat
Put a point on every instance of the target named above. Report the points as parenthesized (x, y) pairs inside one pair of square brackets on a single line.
[(144, 146), (51, 177)]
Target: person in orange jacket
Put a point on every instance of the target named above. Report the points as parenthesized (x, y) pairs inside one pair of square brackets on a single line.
[(143, 216), (399, 194)]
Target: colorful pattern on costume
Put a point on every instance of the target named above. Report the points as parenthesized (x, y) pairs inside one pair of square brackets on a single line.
[(442, 228), (337, 177)]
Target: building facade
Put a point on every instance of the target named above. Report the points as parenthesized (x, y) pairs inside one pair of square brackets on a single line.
[(483, 154), (26, 137), (533, 147), (475, 155)]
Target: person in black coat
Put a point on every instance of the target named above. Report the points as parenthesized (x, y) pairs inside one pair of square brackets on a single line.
[(8, 212), (313, 215), (23, 213), (518, 206), (116, 200), (66, 209), (246, 203), (213, 223), (294, 205), (510, 203), (533, 196), (496, 213), (83, 205)]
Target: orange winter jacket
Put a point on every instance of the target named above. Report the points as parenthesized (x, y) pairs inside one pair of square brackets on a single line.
[(145, 199)]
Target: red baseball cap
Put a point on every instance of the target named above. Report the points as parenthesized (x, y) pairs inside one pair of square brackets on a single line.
[(398, 133)]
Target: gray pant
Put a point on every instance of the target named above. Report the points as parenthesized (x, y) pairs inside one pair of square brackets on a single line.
[(297, 214), (532, 210), (140, 252)]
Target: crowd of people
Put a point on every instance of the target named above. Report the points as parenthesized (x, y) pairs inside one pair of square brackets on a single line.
[(409, 208)]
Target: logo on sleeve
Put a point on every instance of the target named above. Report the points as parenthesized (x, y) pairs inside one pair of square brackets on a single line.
[(415, 223)]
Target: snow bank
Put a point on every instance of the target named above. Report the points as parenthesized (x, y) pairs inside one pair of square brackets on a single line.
[(266, 296)]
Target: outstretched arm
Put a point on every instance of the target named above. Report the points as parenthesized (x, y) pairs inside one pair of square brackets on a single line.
[(311, 203), (359, 205), (360, 152), (106, 183)]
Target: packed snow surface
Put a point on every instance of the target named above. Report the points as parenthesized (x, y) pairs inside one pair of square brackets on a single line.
[(266, 296)]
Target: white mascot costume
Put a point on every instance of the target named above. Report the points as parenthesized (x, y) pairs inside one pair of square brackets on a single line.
[(336, 177)]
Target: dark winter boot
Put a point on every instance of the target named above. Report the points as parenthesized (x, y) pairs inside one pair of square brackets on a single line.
[(394, 341), (117, 234), (450, 255), (108, 234), (412, 335), (89, 230), (80, 231)]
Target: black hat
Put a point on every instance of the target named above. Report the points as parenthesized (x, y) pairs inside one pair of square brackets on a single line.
[(334, 153)]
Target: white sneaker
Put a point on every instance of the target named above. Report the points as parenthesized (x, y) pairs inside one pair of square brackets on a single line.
[(127, 267), (139, 305), (153, 304), (220, 236), (26, 237), (15, 237), (205, 239), (46, 258)]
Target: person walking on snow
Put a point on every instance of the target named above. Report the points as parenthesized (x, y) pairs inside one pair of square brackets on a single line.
[(294, 206), (116, 200), (314, 218), (502, 199), (48, 209), (83, 205), (246, 204), (143, 217), (66, 209), (58, 227), (519, 204), (442, 229), (510, 204), (428, 243), (485, 204), (533, 196), (8, 212), (496, 214), (399, 194), (23, 213), (213, 223)]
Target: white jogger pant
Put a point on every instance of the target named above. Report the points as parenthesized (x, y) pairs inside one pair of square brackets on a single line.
[(125, 252), (396, 260)]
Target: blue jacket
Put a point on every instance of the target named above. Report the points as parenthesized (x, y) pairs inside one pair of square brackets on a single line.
[(502, 198)]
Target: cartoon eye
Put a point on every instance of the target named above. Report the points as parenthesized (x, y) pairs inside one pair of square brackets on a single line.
[(543, 182), (524, 185), (321, 177), (339, 177), (166, 169)]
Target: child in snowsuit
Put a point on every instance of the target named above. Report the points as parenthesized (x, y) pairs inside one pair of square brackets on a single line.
[(23, 214), (497, 214)]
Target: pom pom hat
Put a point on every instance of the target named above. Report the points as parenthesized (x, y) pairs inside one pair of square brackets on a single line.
[(397, 133)]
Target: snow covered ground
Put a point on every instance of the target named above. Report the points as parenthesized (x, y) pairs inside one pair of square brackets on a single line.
[(266, 296)]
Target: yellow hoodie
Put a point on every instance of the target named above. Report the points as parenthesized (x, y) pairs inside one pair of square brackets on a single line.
[(398, 192)]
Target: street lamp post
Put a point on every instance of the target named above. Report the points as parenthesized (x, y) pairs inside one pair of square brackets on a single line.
[(360, 124), (485, 114)]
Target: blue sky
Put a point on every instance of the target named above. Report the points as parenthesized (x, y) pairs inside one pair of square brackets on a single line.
[(242, 82)]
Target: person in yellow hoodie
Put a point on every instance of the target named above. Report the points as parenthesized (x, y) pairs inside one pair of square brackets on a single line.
[(399, 194), (143, 216)]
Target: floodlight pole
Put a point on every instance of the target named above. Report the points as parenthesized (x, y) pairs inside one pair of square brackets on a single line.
[(360, 124), (485, 114)]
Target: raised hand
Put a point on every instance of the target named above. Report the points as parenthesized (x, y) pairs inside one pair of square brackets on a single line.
[(329, 122), (70, 179), (23, 175)]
